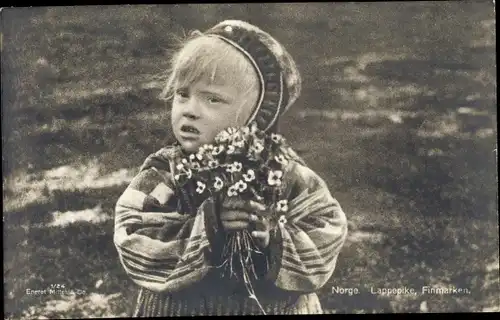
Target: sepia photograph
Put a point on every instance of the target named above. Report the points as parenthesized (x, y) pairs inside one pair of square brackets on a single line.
[(249, 159)]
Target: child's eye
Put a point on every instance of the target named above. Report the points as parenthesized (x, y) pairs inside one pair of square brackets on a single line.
[(216, 100), (183, 93)]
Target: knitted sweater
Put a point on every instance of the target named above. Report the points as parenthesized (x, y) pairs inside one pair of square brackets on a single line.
[(172, 256)]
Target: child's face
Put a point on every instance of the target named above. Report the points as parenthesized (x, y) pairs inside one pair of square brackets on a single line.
[(203, 109)]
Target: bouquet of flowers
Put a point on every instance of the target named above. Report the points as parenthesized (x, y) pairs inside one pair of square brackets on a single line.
[(246, 163)]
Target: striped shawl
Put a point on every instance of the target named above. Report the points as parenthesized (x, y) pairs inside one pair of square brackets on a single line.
[(166, 252)]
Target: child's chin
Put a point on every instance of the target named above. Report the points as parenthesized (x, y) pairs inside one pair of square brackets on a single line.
[(190, 147)]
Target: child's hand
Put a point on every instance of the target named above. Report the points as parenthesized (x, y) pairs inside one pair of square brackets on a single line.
[(261, 232), (238, 214)]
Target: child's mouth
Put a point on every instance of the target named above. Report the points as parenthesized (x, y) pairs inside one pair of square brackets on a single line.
[(189, 129)]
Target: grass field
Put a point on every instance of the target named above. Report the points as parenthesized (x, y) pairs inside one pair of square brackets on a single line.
[(398, 114)]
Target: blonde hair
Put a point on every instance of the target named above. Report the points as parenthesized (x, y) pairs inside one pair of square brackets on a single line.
[(202, 57)]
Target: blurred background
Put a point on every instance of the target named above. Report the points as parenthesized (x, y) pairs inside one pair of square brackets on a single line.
[(398, 114)]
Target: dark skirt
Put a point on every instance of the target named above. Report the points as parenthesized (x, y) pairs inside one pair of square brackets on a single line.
[(223, 298)]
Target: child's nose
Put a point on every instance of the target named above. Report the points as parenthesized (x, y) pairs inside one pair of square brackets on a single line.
[(191, 109)]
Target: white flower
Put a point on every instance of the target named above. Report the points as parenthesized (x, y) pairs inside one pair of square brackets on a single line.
[(222, 137), (191, 157), (282, 205), (195, 165), (276, 137), (225, 134), (177, 177), (184, 161), (180, 166), (257, 148), (213, 163), (201, 187), (245, 131), (239, 144), (240, 185), (233, 132), (234, 167), (218, 184), (281, 159), (249, 176), (253, 128), (232, 191), (217, 150), (231, 149), (274, 178), (199, 157), (237, 166), (282, 220), (189, 173)]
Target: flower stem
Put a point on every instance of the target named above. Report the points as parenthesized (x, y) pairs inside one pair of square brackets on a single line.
[(250, 290)]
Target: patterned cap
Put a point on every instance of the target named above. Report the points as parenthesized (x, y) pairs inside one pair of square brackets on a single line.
[(280, 81)]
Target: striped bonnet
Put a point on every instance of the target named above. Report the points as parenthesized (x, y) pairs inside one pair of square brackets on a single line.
[(279, 78)]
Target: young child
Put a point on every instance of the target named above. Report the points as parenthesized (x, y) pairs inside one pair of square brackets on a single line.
[(230, 75)]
